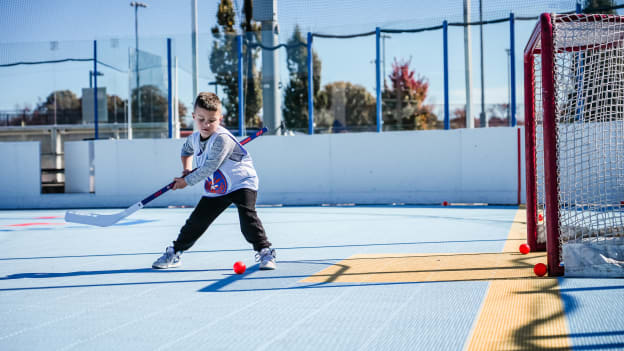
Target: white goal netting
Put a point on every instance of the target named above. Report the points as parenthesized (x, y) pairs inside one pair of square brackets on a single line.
[(589, 97)]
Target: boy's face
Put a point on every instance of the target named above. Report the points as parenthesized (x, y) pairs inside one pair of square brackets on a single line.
[(207, 121)]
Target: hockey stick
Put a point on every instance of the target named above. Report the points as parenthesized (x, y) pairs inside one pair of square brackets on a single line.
[(105, 220)]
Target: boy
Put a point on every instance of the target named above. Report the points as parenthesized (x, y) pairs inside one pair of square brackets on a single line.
[(228, 174)]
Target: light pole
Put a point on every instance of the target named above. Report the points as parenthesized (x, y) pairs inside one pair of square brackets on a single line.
[(216, 85), (482, 117), (468, 64), (136, 6), (383, 45), (508, 86), (99, 74)]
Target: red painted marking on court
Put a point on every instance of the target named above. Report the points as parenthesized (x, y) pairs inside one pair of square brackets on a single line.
[(30, 224), (48, 217)]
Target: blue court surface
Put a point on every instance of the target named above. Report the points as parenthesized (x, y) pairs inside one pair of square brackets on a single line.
[(66, 286)]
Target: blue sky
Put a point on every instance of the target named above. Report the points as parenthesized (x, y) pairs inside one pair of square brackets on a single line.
[(76, 23)]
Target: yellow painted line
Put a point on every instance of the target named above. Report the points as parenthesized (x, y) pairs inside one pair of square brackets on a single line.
[(433, 267), (520, 311), (522, 314), (436, 267)]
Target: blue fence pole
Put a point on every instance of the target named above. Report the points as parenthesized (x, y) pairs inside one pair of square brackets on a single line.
[(378, 78), (169, 90), (95, 89), (310, 87), (241, 102), (447, 121), (512, 69), (579, 7)]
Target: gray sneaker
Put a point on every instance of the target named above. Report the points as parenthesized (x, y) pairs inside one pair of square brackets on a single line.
[(266, 257), (169, 259)]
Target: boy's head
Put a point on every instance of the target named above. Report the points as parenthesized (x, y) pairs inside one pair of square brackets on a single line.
[(207, 113)]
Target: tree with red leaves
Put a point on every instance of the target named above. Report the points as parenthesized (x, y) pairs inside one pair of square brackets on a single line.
[(404, 101)]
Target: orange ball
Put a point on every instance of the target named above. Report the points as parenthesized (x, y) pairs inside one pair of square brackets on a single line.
[(524, 249), (539, 269), (239, 267)]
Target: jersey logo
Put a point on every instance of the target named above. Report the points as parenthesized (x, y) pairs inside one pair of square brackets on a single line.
[(218, 184)]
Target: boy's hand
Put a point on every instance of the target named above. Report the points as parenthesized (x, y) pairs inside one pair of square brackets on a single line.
[(179, 183)]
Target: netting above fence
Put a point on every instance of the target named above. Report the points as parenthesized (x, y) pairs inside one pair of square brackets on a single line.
[(346, 68)]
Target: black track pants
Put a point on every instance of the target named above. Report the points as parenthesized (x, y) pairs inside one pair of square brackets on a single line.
[(209, 208)]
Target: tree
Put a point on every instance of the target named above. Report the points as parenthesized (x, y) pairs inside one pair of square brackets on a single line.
[(598, 6), (60, 107), (224, 64), (116, 109), (182, 111), (154, 104), (404, 102), (459, 121), (295, 109), (253, 90), (351, 105), (499, 115), (594, 73)]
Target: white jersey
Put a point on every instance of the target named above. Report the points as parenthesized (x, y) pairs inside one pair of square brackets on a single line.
[(231, 175)]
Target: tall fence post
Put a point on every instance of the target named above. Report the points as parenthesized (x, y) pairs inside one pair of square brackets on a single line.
[(310, 86), (447, 122), (169, 91), (512, 69), (378, 78), (241, 102), (95, 89)]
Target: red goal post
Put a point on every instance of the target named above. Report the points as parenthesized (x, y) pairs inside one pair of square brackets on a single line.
[(574, 142)]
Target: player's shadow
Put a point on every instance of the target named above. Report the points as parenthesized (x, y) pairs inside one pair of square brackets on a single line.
[(169, 273), (248, 275), (35, 275), (221, 283)]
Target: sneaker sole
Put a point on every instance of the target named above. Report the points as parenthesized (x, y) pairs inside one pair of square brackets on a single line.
[(174, 266)]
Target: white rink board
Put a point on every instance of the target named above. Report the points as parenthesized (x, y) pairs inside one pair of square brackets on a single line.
[(20, 173), (416, 167)]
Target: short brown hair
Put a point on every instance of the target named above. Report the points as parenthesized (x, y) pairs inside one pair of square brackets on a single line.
[(208, 101)]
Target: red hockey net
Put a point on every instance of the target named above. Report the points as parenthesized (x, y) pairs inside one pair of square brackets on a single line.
[(574, 115)]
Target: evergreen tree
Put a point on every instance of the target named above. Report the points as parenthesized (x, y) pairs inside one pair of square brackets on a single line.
[(154, 104), (224, 64), (351, 106), (595, 73), (295, 110), (599, 6)]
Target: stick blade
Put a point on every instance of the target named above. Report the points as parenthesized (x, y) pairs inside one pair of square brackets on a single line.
[(99, 220)]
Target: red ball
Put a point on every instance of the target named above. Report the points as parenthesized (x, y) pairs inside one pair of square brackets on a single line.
[(539, 269), (239, 267), (524, 249), (445, 203), (540, 217)]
